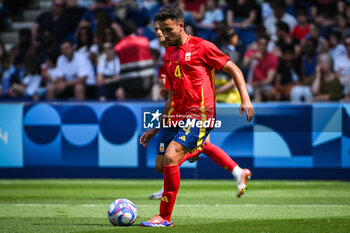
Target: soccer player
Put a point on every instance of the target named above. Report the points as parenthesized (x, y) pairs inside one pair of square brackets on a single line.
[(190, 63), (212, 151)]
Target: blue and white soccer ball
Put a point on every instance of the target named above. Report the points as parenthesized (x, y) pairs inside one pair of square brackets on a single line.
[(122, 212)]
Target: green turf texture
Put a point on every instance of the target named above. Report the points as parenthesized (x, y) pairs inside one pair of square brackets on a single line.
[(202, 206)]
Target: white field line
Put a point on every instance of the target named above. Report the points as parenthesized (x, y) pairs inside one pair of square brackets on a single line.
[(182, 205)]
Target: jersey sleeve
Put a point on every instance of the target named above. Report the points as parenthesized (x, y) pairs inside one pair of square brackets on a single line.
[(213, 56)]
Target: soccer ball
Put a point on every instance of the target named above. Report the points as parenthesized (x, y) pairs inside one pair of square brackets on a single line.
[(122, 212)]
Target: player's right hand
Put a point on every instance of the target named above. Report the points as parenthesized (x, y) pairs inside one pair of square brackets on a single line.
[(248, 109), (146, 136)]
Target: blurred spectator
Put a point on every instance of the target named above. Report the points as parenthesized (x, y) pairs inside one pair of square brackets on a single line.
[(213, 17), (226, 90), (262, 68), (190, 29), (55, 20), (107, 35), (302, 91), (286, 75), (193, 10), (315, 33), (309, 59), (324, 12), (285, 39), (326, 85), (108, 70), (136, 64), (46, 44), (49, 73), (279, 14), (158, 46), (343, 25), (31, 82), (302, 28), (76, 76), (334, 46), (85, 44), (99, 21), (266, 10), (290, 7), (6, 71), (342, 67), (75, 13), (24, 48), (241, 14)]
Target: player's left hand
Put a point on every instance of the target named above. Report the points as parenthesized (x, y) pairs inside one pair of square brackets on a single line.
[(146, 136), (248, 109)]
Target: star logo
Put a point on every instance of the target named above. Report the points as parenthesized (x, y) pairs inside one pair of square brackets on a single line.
[(151, 119), (155, 115)]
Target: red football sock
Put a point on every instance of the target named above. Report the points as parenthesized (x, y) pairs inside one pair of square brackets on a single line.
[(188, 156), (171, 186), (219, 156)]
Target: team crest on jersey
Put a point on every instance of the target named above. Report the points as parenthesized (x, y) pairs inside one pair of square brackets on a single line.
[(161, 147), (188, 57)]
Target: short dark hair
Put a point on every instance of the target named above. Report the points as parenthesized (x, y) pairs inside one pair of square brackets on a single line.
[(263, 36), (301, 11), (337, 35), (282, 26), (314, 41), (67, 42), (129, 27), (226, 34), (32, 65), (287, 48), (278, 4), (170, 12)]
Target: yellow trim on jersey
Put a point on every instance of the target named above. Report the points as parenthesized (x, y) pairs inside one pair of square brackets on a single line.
[(204, 118), (213, 79), (187, 39), (170, 111)]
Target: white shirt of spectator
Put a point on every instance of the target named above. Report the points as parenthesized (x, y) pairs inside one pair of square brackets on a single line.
[(109, 68), (211, 17), (53, 72), (266, 10), (338, 51), (78, 67), (86, 52), (342, 65), (33, 83), (270, 23)]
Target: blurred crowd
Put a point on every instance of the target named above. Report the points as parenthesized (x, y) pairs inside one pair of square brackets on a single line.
[(290, 50)]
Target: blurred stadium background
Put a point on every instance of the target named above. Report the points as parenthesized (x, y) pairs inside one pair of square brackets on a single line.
[(301, 138), (296, 135)]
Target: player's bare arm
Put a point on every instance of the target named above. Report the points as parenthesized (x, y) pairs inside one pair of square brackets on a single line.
[(146, 136), (236, 73)]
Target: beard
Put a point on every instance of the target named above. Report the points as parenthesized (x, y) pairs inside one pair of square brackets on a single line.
[(174, 42)]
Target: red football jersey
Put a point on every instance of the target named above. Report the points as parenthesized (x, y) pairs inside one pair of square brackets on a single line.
[(190, 73)]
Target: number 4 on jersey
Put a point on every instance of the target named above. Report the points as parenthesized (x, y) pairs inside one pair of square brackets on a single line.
[(177, 72)]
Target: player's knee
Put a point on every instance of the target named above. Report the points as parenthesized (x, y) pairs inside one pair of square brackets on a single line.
[(170, 159)]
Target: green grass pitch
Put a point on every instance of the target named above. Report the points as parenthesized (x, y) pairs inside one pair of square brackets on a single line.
[(202, 206)]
